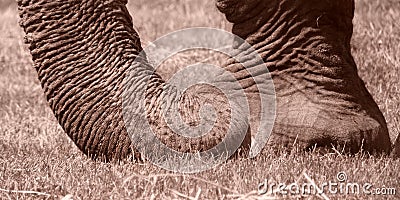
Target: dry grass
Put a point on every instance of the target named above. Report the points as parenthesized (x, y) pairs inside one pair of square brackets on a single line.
[(37, 160)]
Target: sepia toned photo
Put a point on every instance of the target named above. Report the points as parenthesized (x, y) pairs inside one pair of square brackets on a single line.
[(189, 99)]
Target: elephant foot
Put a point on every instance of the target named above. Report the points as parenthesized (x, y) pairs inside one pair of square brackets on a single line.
[(304, 123)]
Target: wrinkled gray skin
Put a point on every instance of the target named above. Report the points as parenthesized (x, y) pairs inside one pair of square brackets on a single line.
[(321, 100), (82, 51)]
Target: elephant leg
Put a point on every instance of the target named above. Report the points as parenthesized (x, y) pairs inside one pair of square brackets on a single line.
[(321, 100)]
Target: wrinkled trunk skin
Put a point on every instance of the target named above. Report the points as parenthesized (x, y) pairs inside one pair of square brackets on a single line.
[(82, 50), (321, 100)]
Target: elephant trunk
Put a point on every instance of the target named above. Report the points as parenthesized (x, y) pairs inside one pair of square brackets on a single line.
[(82, 51)]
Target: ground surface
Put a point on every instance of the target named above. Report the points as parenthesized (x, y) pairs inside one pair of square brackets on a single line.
[(37, 160)]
